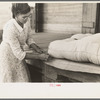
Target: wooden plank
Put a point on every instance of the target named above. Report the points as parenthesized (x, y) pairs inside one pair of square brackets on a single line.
[(61, 3), (89, 17), (63, 26), (89, 12), (83, 30), (32, 19), (61, 12), (92, 30), (50, 21), (74, 66), (88, 24), (88, 30), (76, 27), (62, 31), (48, 6), (84, 11), (94, 9), (52, 73), (82, 77), (63, 19)]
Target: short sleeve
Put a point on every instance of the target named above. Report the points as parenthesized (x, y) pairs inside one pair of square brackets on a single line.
[(12, 39)]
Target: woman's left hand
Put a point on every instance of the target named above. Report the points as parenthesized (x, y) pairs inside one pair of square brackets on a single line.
[(39, 50)]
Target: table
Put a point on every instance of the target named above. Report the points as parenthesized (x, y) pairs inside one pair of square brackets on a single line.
[(61, 70)]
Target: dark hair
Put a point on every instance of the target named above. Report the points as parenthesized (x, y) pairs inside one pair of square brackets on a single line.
[(20, 8)]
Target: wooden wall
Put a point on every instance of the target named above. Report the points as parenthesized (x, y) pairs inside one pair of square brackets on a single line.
[(67, 17), (32, 18), (89, 17), (62, 17)]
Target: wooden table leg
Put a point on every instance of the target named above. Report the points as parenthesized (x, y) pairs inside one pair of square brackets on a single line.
[(50, 75)]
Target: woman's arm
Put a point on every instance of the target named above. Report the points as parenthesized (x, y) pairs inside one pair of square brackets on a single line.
[(36, 48), (36, 56), (30, 40), (11, 38)]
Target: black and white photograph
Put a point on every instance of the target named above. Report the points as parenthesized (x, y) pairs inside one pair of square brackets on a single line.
[(52, 43)]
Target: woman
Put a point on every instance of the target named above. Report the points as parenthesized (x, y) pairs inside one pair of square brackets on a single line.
[(17, 40)]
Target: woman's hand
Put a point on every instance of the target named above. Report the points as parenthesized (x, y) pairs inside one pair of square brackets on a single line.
[(44, 56), (37, 48)]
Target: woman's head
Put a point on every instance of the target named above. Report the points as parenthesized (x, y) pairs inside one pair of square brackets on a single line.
[(21, 11)]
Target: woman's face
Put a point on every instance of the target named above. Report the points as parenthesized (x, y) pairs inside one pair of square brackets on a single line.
[(23, 17)]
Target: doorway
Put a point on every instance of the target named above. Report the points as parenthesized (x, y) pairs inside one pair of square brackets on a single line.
[(97, 27), (39, 17)]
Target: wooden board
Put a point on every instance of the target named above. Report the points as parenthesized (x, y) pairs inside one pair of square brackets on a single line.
[(52, 74), (74, 66), (89, 17), (63, 17)]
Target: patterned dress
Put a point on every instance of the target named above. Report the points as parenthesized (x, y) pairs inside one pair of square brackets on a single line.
[(16, 41)]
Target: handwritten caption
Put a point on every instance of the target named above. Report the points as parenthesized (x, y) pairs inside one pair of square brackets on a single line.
[(54, 85)]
